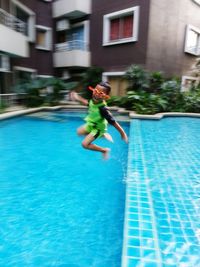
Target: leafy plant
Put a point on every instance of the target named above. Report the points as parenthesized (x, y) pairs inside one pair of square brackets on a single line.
[(150, 93), (55, 87), (92, 77), (156, 80), (138, 78), (146, 103), (44, 91), (191, 101), (170, 91), (3, 106)]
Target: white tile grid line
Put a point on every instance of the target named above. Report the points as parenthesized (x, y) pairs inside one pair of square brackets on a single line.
[(183, 188), (159, 257), (189, 215), (179, 205), (128, 194), (133, 183), (142, 191), (132, 191)]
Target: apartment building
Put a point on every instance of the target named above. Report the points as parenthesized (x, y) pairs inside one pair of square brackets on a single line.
[(72, 54), (64, 38), (160, 35), (25, 41)]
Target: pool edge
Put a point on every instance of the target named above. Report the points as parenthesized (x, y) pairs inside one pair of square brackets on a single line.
[(131, 114)]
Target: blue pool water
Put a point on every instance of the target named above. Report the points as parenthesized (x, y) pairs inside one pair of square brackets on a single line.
[(162, 227), (60, 205), (63, 206)]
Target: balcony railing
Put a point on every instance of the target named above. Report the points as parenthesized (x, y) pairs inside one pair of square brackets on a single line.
[(10, 100), (12, 22), (71, 45)]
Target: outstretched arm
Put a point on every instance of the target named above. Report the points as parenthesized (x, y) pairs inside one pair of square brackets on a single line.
[(108, 116), (121, 131), (77, 97)]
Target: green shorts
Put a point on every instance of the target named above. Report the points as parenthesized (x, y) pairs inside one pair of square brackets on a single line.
[(94, 130)]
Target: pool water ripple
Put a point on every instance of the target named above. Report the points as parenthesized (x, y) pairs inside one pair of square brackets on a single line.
[(60, 204), (163, 178)]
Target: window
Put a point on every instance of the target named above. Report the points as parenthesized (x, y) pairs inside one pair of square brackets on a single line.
[(192, 41), (121, 27), (188, 83), (197, 2), (23, 16), (4, 63), (22, 75), (43, 37), (26, 15), (75, 38)]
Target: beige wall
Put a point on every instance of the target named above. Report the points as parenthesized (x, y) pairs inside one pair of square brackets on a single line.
[(167, 24), (118, 85)]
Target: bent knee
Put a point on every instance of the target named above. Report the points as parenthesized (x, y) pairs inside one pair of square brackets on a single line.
[(78, 132), (84, 144), (81, 131)]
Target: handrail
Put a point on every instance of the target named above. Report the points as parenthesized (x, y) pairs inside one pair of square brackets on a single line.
[(71, 45), (10, 99), (12, 22)]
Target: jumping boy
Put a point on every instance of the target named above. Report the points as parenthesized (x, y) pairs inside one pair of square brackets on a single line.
[(97, 119)]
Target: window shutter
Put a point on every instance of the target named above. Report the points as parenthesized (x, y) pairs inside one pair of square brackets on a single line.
[(114, 29), (127, 30)]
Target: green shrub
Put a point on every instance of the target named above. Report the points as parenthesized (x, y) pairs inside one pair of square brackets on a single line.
[(191, 101), (3, 106), (150, 93), (44, 91), (138, 78)]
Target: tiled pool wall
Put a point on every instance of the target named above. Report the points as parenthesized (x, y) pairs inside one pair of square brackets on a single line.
[(162, 218), (141, 247)]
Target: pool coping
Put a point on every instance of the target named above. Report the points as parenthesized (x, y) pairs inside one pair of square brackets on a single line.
[(12, 114), (159, 116), (131, 114)]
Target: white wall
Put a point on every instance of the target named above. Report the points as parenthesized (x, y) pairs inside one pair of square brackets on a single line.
[(13, 42), (62, 7), (72, 58)]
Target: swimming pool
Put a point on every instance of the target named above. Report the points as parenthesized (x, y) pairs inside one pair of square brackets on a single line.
[(78, 220), (60, 205), (162, 227)]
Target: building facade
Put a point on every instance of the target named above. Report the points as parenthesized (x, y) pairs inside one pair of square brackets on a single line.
[(71, 51), (159, 35), (26, 30), (63, 38)]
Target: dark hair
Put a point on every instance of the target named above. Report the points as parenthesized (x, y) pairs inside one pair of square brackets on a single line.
[(106, 85)]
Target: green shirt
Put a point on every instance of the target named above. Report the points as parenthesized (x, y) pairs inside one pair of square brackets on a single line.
[(94, 117)]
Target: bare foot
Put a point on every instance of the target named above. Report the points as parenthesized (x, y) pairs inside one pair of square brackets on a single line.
[(106, 153), (108, 137)]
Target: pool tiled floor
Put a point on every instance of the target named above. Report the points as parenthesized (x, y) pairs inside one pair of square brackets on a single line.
[(162, 225)]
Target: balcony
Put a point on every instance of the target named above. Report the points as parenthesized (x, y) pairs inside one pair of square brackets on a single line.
[(71, 54), (12, 32), (71, 9)]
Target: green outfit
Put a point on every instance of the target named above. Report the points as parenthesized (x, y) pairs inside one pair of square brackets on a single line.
[(96, 124)]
